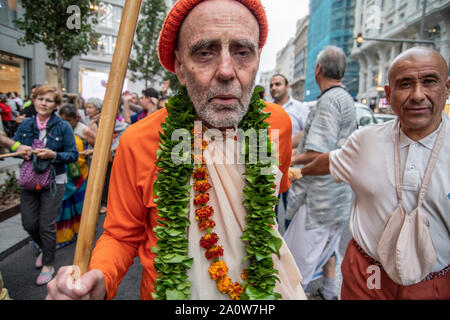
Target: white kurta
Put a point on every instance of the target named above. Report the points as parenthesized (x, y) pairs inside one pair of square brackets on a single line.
[(226, 197)]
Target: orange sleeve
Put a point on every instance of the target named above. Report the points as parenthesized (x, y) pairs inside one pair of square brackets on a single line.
[(280, 121), (130, 201)]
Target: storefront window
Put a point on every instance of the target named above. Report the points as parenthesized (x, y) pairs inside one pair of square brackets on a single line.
[(8, 13), (13, 74), (109, 15), (51, 76), (106, 44)]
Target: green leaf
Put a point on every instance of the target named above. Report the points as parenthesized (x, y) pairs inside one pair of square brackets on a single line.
[(175, 295)]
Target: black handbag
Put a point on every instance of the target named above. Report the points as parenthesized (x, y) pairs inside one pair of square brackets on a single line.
[(40, 165)]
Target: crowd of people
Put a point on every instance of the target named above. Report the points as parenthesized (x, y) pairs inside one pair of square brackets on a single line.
[(388, 182), (52, 128)]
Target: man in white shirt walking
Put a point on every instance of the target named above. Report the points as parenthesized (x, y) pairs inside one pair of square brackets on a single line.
[(297, 111)]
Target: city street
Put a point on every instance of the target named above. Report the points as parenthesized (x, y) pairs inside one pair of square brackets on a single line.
[(19, 274)]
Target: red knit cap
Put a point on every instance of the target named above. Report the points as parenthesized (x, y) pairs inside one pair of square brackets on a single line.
[(169, 32)]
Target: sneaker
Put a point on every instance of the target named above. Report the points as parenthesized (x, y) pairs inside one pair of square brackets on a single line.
[(38, 263)]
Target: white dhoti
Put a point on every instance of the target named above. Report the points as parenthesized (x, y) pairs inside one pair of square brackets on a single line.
[(311, 248)]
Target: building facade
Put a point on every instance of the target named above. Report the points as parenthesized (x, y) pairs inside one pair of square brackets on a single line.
[(300, 53), (23, 66), (331, 22), (285, 61), (94, 66), (264, 81), (395, 19)]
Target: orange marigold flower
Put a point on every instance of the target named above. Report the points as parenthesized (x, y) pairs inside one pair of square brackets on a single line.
[(236, 291), (204, 144), (201, 198), (244, 274), (205, 224), (208, 240), (204, 213), (218, 269), (200, 173), (201, 185), (225, 285), (214, 252)]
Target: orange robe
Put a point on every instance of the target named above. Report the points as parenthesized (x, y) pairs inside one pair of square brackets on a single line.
[(132, 214)]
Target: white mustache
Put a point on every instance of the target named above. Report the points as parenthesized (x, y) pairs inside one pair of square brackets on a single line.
[(235, 92)]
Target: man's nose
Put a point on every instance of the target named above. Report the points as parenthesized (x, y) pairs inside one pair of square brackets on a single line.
[(418, 92), (225, 69)]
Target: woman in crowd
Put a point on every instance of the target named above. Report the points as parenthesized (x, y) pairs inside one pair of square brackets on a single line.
[(93, 108), (6, 114), (52, 140), (68, 221)]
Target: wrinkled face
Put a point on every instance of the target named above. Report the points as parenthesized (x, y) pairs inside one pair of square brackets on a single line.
[(217, 60), (418, 88), (91, 110), (278, 88), (45, 105)]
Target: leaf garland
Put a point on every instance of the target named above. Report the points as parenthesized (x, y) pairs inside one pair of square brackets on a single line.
[(172, 191)]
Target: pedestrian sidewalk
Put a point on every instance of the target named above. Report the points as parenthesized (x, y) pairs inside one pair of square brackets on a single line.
[(12, 234)]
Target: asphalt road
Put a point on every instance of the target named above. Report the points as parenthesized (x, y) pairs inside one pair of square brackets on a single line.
[(19, 274)]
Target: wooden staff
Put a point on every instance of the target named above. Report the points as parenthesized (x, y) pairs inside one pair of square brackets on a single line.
[(103, 141), (13, 154)]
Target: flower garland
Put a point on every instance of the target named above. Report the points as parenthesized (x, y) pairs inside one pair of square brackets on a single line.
[(172, 194), (218, 269)]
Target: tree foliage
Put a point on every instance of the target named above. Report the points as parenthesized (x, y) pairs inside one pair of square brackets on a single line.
[(144, 64), (65, 27)]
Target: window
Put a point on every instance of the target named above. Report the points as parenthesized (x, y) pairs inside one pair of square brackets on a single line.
[(374, 77), (8, 13), (299, 64), (51, 76), (106, 44), (13, 74), (109, 15)]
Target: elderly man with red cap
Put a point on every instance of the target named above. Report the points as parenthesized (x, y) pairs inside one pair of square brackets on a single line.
[(203, 226)]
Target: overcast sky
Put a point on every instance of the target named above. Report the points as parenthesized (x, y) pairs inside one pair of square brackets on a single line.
[(282, 16)]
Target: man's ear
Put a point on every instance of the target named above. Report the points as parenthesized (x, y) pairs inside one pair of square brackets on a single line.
[(179, 68), (387, 90), (317, 70), (447, 85)]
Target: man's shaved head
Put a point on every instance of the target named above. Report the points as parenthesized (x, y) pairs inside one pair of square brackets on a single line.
[(418, 88), (417, 53)]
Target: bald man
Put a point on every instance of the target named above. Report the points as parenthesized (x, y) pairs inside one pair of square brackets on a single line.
[(400, 173)]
